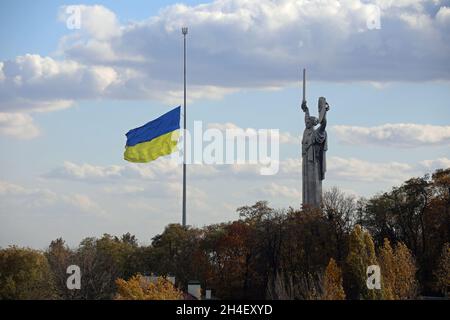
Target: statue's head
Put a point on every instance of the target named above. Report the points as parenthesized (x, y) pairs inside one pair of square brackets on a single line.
[(322, 103), (312, 121)]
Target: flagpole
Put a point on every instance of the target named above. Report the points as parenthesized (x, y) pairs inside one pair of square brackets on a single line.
[(184, 31)]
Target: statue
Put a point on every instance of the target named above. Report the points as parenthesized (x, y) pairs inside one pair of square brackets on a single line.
[(314, 147)]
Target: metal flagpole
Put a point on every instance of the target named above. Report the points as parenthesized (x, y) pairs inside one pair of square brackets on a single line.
[(184, 31)]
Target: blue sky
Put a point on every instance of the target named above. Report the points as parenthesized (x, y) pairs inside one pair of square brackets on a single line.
[(67, 98)]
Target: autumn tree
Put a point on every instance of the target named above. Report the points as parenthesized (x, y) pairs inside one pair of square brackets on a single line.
[(177, 253), (265, 236), (438, 224), (340, 210), (59, 257), (398, 270), (102, 261), (232, 260), (442, 273), (332, 282), (139, 287), (417, 213), (361, 255), (266, 253), (405, 268), (25, 274), (387, 266), (308, 242), (300, 255)]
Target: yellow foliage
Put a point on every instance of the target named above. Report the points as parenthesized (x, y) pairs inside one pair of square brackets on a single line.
[(405, 269), (387, 270), (398, 270), (332, 282), (140, 288)]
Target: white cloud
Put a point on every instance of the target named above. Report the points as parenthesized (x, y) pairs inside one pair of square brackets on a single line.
[(239, 43), (7, 188), (144, 205), (78, 172), (403, 135), (83, 202), (35, 83), (275, 190), (97, 21), (165, 170), (360, 170), (443, 16), (18, 125), (123, 189), (162, 169), (233, 44), (283, 137), (440, 163), (352, 169), (43, 198)]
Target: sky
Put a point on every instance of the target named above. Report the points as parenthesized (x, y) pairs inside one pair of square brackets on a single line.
[(68, 96)]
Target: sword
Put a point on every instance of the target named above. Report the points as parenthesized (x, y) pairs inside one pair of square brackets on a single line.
[(304, 90), (304, 85)]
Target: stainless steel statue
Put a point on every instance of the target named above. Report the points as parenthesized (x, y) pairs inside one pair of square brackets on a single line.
[(314, 147)]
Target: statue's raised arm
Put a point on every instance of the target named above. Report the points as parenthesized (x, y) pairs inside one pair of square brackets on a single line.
[(323, 109), (306, 111)]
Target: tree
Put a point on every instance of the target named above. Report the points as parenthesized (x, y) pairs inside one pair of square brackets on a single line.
[(59, 257), (417, 214), (128, 238), (232, 260), (102, 261), (442, 273), (289, 286), (257, 212), (177, 253), (387, 266), (361, 255), (398, 272), (25, 274), (405, 270), (340, 210), (332, 282), (140, 288)]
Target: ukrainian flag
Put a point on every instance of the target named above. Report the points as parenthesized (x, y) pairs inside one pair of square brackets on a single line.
[(154, 139)]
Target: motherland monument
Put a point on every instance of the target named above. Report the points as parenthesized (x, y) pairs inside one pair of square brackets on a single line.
[(314, 147)]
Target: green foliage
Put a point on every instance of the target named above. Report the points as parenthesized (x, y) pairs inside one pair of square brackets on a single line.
[(59, 257), (25, 274), (361, 255), (176, 251), (101, 261)]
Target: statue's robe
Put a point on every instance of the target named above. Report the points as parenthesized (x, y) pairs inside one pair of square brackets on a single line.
[(314, 147)]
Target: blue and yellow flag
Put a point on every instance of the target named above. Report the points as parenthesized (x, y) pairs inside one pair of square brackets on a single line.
[(154, 139)]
